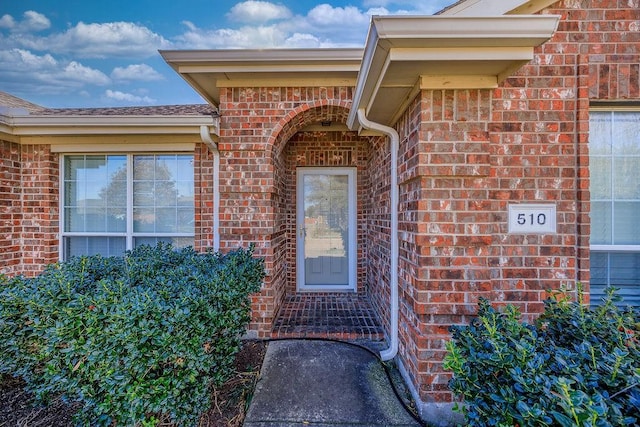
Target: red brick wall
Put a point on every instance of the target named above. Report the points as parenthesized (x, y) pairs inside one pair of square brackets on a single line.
[(447, 225), (379, 226), (39, 185), (468, 154), (10, 208), (608, 31), (203, 178)]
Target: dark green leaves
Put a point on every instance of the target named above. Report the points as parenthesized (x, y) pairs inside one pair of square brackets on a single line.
[(133, 337), (578, 366)]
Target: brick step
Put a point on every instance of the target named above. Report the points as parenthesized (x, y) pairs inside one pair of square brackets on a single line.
[(335, 316)]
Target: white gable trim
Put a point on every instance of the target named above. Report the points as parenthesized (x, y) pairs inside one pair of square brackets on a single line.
[(497, 7)]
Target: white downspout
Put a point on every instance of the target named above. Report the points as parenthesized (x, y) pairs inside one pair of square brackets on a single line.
[(394, 138), (211, 144)]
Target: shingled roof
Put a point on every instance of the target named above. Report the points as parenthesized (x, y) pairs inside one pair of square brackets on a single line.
[(158, 110), (13, 102)]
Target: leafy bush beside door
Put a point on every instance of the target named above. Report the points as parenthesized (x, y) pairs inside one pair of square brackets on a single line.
[(577, 366), (133, 339)]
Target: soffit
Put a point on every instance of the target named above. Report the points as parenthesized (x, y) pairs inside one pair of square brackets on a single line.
[(209, 70), (405, 54)]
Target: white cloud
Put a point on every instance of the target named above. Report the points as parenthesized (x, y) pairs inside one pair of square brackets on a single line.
[(326, 15), (301, 40), (119, 39), (24, 61), (127, 97), (20, 68), (34, 21), (92, 40), (252, 11), (140, 72), (108, 40), (410, 6), (323, 26), (242, 38), (77, 72), (7, 21)]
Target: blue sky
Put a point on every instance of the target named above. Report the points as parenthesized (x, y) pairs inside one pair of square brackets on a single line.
[(87, 53)]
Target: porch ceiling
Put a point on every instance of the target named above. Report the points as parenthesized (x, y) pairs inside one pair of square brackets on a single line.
[(404, 54), (209, 70)]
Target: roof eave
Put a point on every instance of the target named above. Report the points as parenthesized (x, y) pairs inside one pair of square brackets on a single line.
[(208, 70), (45, 125), (493, 8), (452, 46)]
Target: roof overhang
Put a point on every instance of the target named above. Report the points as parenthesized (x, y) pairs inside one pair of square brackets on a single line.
[(209, 70), (496, 8), (113, 133), (37, 125), (405, 54)]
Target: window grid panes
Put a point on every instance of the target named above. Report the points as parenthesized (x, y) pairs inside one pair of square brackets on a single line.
[(614, 143), (114, 202)]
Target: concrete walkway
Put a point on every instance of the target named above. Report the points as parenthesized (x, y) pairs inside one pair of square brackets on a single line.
[(321, 383)]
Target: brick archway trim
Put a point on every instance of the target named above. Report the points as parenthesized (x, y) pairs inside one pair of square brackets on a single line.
[(304, 115)]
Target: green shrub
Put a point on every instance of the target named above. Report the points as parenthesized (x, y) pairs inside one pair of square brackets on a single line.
[(577, 366), (134, 339)]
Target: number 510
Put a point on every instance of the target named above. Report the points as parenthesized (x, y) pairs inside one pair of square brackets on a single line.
[(532, 219)]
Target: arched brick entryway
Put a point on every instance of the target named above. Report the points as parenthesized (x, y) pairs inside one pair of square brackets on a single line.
[(292, 146)]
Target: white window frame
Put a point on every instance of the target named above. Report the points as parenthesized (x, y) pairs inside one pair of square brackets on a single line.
[(614, 248), (129, 234)]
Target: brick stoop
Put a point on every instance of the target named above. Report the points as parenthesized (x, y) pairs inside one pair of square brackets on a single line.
[(328, 315)]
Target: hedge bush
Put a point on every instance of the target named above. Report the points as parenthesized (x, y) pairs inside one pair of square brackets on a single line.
[(136, 338), (576, 366)]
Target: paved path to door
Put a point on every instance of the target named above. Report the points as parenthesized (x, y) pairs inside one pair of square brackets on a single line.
[(320, 383)]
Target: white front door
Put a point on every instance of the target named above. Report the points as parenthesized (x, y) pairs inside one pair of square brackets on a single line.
[(326, 229)]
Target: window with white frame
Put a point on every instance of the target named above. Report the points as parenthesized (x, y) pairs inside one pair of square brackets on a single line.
[(614, 145), (115, 202)]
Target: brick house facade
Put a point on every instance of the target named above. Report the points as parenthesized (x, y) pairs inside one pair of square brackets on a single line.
[(512, 131)]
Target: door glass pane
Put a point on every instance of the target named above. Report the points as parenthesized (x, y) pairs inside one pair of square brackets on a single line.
[(326, 241)]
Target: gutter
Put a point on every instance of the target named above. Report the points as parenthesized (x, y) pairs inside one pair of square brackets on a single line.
[(34, 125), (394, 138), (205, 135)]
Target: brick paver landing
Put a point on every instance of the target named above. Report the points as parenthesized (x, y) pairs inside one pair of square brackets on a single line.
[(328, 315)]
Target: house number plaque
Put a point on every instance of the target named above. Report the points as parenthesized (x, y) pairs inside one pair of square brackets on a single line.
[(532, 218)]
